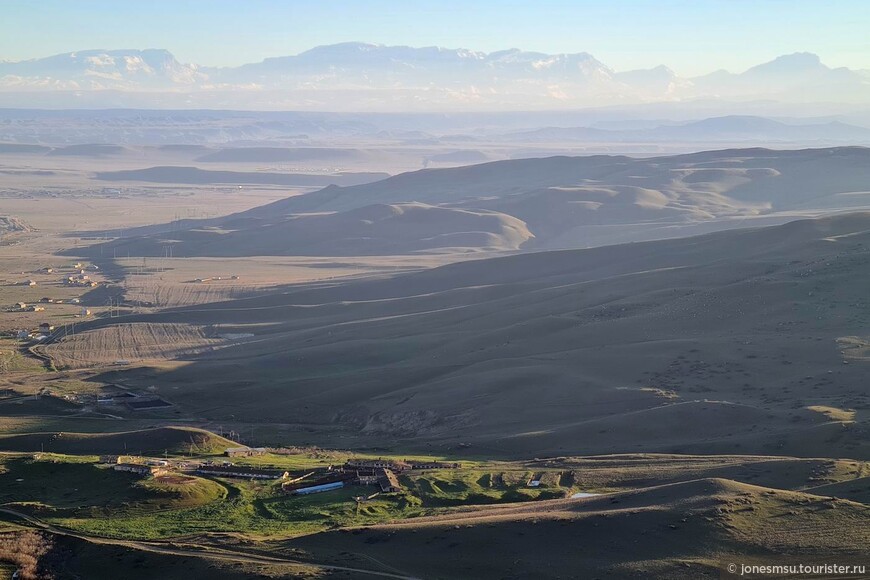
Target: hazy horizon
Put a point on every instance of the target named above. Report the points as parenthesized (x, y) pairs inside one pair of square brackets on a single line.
[(367, 77)]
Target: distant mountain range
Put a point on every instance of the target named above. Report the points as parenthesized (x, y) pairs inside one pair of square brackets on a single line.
[(360, 76)]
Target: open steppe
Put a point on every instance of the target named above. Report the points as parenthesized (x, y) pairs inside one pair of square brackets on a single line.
[(710, 388)]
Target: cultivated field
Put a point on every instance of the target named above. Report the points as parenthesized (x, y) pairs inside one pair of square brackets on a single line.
[(130, 342)]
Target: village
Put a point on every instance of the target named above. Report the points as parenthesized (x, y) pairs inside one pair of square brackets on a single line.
[(50, 297), (380, 473)]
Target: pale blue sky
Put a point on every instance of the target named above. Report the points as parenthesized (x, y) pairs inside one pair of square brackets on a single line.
[(690, 36)]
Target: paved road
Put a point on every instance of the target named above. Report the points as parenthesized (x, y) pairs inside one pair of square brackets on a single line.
[(208, 552)]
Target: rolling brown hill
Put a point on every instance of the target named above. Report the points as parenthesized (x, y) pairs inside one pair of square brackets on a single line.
[(728, 343), (565, 202), (400, 228)]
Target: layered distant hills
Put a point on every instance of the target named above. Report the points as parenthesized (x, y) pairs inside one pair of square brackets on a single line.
[(463, 138), (530, 204), (361, 76)]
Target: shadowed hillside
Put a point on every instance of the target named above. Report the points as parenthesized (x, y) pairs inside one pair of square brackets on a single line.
[(157, 441), (736, 337), (371, 230)]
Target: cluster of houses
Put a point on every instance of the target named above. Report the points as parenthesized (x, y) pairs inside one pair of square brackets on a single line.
[(336, 478), (45, 328), (377, 472), (25, 307), (381, 473), (138, 465), (81, 279)]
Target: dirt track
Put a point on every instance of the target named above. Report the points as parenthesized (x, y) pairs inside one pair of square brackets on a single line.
[(211, 553)]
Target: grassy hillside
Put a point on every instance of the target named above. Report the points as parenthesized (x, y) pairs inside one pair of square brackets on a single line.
[(59, 486), (478, 514), (683, 530), (174, 440)]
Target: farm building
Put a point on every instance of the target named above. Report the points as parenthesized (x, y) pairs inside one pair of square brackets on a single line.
[(140, 469), (29, 283), (242, 472), (434, 465), (318, 488), (46, 327), (244, 451), (366, 476), (301, 483), (36, 308), (46, 300), (21, 305), (110, 459), (143, 403), (535, 480), (377, 464), (388, 481), (85, 312), (80, 281)]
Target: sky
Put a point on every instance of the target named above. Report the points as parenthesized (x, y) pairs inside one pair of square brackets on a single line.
[(690, 36)]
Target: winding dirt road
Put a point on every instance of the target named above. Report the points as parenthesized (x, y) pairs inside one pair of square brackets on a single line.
[(209, 552)]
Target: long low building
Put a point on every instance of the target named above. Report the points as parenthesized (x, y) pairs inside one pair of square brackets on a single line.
[(318, 488), (433, 465), (140, 469), (242, 472), (388, 481), (377, 464), (244, 451)]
